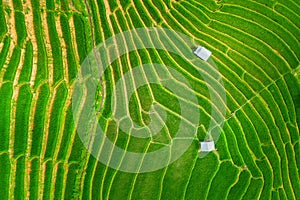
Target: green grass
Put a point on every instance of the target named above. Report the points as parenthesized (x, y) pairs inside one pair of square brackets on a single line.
[(159, 5), (149, 190), (210, 6), (297, 151), (132, 15), (125, 3), (65, 5), (18, 5), (79, 5), (122, 182), (253, 82), (58, 68), (22, 120), (6, 95), (279, 101), (259, 32), (250, 65), (273, 158), (268, 19), (81, 39), (3, 30), (28, 61), (282, 194), (72, 64), (42, 60), (121, 20), (201, 177), (275, 195), (143, 14), (48, 179), (294, 88), (20, 27), (232, 143), (244, 149), (290, 14), (261, 133), (239, 188), (4, 51), (199, 22), (153, 11), (293, 170), (254, 189), (225, 177), (71, 177), (293, 133), (255, 45), (39, 119), (113, 5), (19, 192), (5, 172), (222, 147), (55, 119), (108, 176), (88, 178), (77, 149), (12, 65), (96, 23), (59, 185), (68, 131), (107, 104), (268, 179), (103, 20), (284, 88), (285, 177), (96, 181), (260, 107), (274, 111), (201, 16), (34, 179), (178, 173), (250, 133), (50, 4)]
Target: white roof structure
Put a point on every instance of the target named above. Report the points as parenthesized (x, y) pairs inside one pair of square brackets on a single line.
[(202, 53), (207, 146)]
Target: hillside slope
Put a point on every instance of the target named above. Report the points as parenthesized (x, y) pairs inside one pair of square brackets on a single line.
[(256, 46)]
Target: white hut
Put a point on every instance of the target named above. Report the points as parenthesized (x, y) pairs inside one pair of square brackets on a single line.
[(202, 53), (207, 146)]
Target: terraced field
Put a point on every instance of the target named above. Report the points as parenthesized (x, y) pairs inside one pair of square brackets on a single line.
[(256, 46)]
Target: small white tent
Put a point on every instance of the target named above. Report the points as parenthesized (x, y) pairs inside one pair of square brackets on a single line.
[(202, 53), (207, 146)]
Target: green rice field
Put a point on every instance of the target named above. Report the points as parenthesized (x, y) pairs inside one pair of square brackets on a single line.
[(254, 43)]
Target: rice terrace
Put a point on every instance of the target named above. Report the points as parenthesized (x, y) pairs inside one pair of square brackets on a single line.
[(149, 99)]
